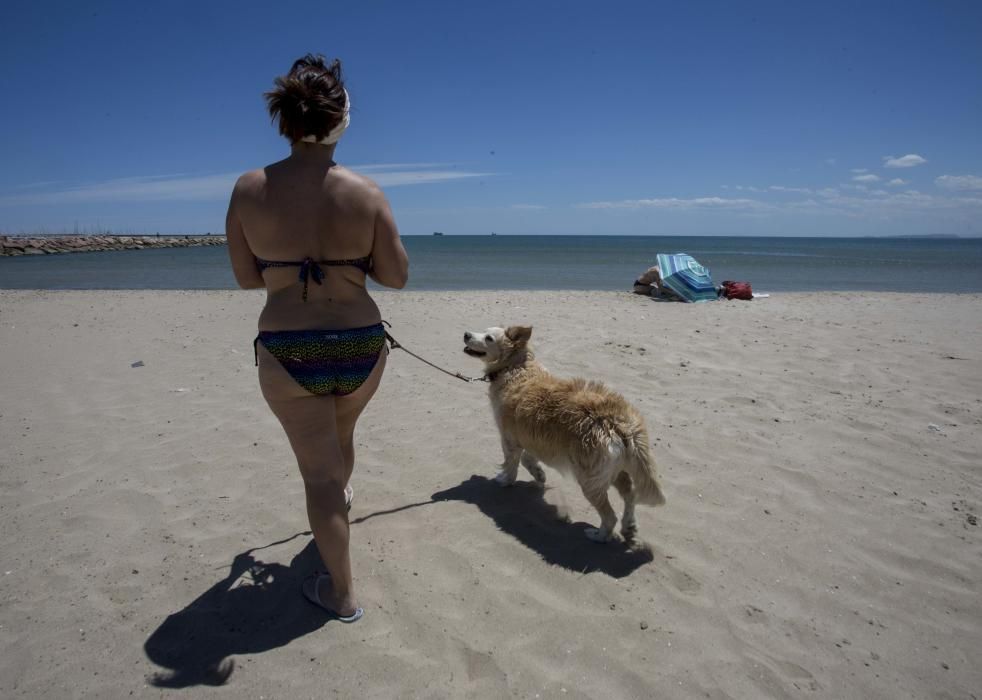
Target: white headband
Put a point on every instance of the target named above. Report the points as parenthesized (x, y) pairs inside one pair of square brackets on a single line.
[(336, 132)]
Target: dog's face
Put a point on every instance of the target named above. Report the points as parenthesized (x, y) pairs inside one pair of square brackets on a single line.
[(492, 345)]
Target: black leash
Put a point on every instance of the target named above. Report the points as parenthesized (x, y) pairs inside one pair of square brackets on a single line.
[(394, 344)]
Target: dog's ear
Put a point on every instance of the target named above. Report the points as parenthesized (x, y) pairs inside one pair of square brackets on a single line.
[(518, 334)]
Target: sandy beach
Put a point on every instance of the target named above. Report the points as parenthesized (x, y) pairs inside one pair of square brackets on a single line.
[(821, 456)]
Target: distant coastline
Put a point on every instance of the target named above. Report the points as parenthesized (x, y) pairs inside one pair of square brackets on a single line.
[(49, 245)]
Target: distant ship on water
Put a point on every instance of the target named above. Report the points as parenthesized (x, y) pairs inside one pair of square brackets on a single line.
[(438, 233)]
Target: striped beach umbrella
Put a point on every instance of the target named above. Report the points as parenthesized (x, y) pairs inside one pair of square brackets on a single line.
[(683, 275)]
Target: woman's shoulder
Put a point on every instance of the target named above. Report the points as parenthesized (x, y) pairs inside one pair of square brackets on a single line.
[(251, 181), (356, 180), (251, 178)]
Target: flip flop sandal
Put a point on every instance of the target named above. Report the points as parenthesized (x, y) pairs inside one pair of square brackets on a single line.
[(309, 590)]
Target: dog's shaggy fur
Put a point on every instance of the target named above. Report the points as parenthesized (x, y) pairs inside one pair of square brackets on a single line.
[(573, 425)]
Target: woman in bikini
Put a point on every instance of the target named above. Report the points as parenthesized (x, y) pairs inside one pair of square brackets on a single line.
[(310, 231)]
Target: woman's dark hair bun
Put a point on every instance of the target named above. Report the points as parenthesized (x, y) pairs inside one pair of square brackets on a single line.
[(309, 100)]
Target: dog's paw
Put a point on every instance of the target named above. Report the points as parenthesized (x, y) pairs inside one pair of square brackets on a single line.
[(629, 530), (538, 473), (505, 478), (534, 468), (598, 534)]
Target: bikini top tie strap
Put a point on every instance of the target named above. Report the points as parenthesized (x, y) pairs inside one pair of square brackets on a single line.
[(309, 268)]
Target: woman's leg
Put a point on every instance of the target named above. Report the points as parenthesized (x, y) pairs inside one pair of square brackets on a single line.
[(348, 408), (310, 424)]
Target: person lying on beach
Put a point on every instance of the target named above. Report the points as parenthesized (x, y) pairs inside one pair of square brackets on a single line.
[(310, 232), (648, 280), (650, 284)]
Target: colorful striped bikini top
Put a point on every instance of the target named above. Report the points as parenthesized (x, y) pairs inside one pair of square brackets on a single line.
[(310, 268)]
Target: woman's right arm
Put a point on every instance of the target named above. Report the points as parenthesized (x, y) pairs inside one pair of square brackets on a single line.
[(243, 261), (390, 264)]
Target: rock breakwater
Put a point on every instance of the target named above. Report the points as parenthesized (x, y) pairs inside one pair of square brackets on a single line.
[(47, 245)]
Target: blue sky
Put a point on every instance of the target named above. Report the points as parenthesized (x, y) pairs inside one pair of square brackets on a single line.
[(695, 118)]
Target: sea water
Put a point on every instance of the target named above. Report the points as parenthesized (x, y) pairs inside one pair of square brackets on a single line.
[(770, 264)]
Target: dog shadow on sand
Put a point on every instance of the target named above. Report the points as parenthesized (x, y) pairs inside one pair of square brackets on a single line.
[(255, 608), (522, 511)]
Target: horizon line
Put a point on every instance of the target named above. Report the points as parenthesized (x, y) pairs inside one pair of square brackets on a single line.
[(111, 233)]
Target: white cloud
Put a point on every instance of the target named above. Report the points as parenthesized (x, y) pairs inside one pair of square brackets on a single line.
[(782, 188), (156, 188), (897, 182), (375, 167), (132, 189), (527, 206), (36, 185), (959, 182), (880, 203), (859, 170), (907, 161), (870, 177), (747, 188), (853, 200), (676, 203), (420, 177)]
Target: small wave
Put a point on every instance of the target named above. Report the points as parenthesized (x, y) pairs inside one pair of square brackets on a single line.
[(758, 252), (846, 258)]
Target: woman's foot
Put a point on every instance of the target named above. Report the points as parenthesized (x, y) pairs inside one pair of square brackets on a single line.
[(319, 590)]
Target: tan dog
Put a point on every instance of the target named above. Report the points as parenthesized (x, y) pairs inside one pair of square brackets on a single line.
[(573, 425)]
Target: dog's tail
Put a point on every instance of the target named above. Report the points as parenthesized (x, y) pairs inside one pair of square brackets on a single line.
[(641, 466)]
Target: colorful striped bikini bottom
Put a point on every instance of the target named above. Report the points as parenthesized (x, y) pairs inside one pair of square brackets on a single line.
[(326, 362)]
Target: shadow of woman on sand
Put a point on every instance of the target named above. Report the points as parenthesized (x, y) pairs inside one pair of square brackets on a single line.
[(521, 511), (256, 607)]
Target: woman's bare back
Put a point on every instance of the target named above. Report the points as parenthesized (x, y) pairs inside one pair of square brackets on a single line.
[(308, 207)]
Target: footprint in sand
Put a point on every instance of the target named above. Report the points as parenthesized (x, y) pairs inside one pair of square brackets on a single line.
[(481, 665), (800, 677), (680, 580), (755, 614)]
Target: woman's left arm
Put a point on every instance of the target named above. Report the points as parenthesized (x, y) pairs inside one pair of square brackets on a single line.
[(243, 261)]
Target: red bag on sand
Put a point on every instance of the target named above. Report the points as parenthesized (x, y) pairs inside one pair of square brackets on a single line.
[(737, 290)]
